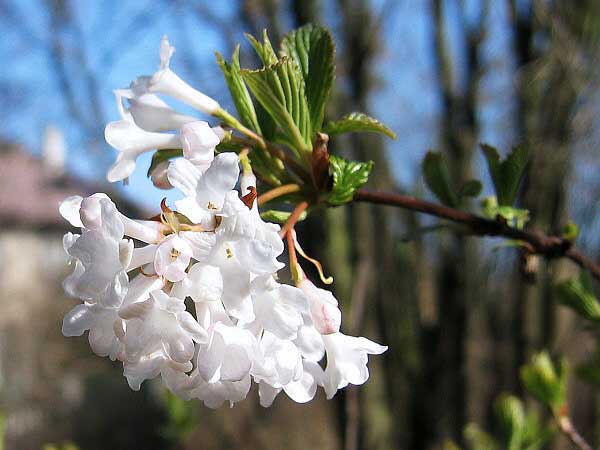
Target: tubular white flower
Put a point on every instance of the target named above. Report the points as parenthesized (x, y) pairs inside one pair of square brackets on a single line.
[(199, 141), (347, 361), (279, 308), (204, 192), (166, 82), (159, 332), (100, 321), (172, 258), (131, 141), (147, 110), (324, 311), (231, 354), (101, 256)]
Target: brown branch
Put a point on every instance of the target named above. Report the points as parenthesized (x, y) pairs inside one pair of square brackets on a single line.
[(535, 241)]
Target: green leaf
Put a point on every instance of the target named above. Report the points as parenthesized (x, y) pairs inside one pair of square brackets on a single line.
[(348, 176), (511, 420), (265, 50), (163, 155), (570, 231), (471, 188), (279, 88), (357, 122), (313, 50), (281, 217), (435, 173), (515, 217), (545, 381), (238, 90), (577, 294), (506, 175)]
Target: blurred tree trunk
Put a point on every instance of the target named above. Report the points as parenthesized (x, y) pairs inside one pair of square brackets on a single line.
[(550, 83), (442, 393)]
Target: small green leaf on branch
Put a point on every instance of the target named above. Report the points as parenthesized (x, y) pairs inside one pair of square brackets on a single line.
[(348, 176), (577, 294), (546, 382), (357, 122), (281, 217), (506, 174), (437, 178), (313, 50), (238, 90), (514, 217)]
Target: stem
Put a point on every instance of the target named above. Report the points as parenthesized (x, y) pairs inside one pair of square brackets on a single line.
[(233, 122), (295, 269), (278, 153), (291, 222), (566, 427), (278, 192), (535, 241)]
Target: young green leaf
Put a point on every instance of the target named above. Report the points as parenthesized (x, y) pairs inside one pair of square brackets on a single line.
[(506, 175), (479, 439), (163, 155), (348, 176), (435, 173), (238, 90), (577, 294), (545, 381), (275, 216), (313, 50), (511, 420), (357, 122), (265, 50), (471, 188), (279, 88)]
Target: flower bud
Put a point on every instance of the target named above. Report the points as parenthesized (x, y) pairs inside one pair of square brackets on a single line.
[(324, 311)]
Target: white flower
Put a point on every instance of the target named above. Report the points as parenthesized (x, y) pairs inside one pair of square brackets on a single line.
[(287, 371), (230, 354), (203, 284), (204, 192), (212, 394), (279, 308), (347, 361), (104, 324), (254, 243), (199, 140), (100, 321), (166, 82), (131, 141), (100, 255), (324, 311), (147, 110), (159, 331), (172, 258)]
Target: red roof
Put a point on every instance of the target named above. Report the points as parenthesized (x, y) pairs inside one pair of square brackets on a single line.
[(30, 193)]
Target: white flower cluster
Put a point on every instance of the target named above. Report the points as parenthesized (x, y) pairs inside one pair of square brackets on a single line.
[(134, 276)]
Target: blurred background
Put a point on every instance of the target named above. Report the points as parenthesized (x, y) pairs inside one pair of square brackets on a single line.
[(460, 316)]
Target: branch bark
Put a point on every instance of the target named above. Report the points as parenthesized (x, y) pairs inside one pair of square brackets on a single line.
[(535, 241)]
